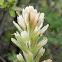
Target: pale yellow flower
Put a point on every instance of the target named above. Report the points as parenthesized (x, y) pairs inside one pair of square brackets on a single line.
[(20, 57), (42, 50), (21, 21), (24, 34)]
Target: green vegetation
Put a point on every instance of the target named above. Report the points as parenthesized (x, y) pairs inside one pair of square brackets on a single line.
[(53, 16)]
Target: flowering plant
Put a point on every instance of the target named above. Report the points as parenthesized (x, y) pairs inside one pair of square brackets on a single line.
[(29, 26)]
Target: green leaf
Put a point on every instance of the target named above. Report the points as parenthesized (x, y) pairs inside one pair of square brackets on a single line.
[(16, 8), (1, 2), (12, 13), (5, 5), (10, 1), (12, 56)]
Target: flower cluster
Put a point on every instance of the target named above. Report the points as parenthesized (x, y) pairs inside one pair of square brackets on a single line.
[(30, 30)]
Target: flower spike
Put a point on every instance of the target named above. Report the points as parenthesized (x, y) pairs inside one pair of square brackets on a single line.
[(29, 24)]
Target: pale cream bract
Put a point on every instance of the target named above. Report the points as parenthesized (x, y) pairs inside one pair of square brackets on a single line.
[(49, 60), (20, 57), (30, 30)]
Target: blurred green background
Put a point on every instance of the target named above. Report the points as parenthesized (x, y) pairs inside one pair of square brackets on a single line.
[(53, 16)]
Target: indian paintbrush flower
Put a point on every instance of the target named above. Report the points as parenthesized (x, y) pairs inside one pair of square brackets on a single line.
[(30, 30)]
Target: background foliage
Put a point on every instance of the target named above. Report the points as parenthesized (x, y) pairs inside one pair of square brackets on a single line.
[(53, 16)]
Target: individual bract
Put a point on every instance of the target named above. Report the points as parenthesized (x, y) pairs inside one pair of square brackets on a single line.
[(30, 30)]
